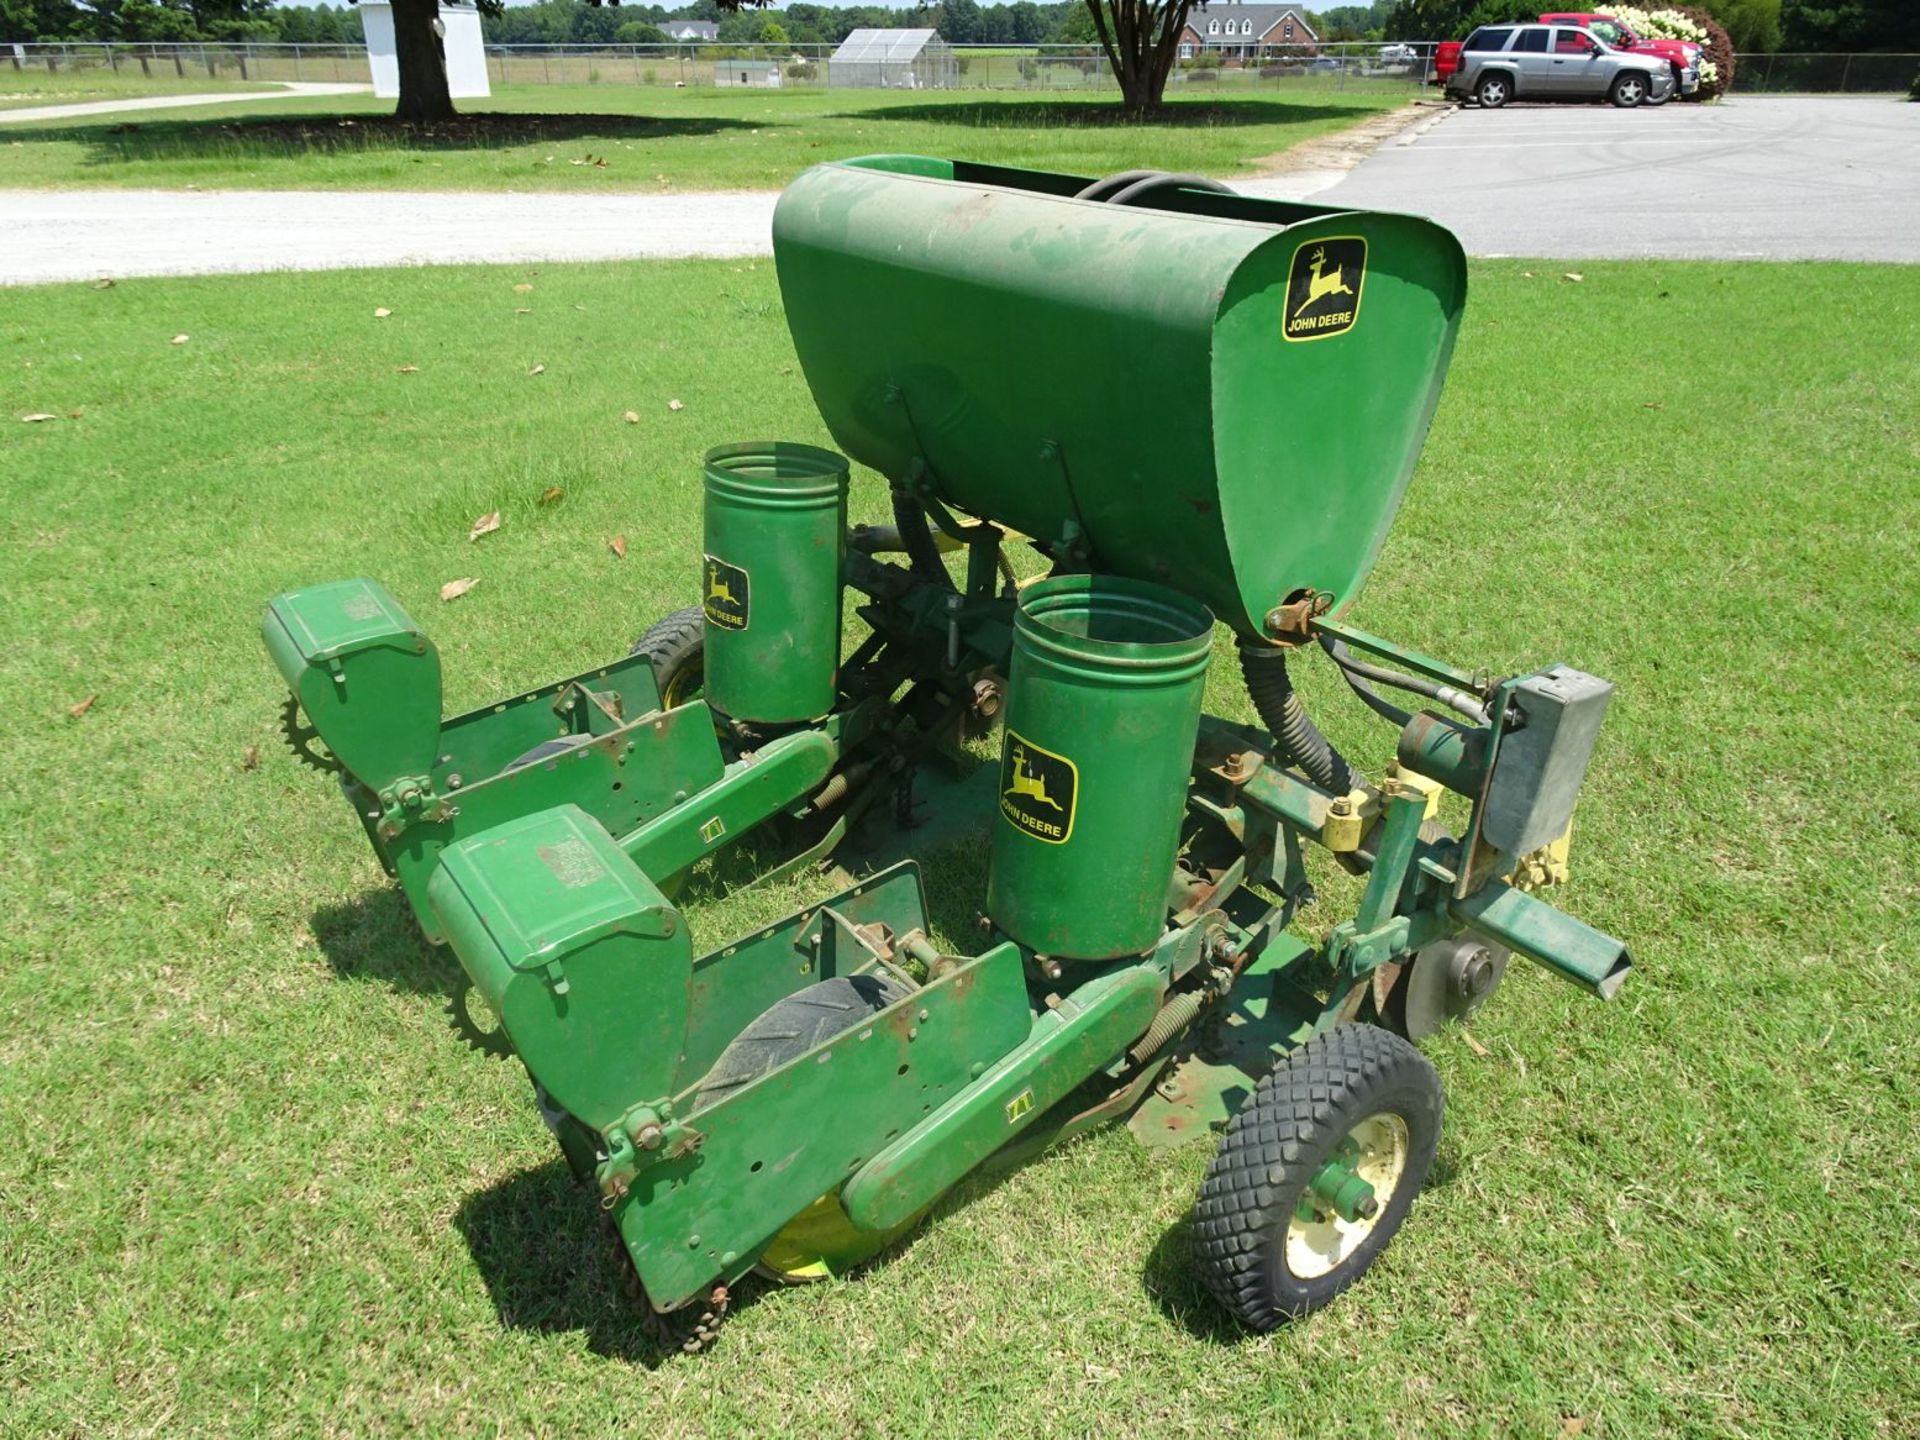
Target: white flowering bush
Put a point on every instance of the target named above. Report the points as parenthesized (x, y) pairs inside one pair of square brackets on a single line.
[(1693, 26)]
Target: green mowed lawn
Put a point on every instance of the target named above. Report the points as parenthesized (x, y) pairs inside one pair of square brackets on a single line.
[(250, 1183), (554, 137)]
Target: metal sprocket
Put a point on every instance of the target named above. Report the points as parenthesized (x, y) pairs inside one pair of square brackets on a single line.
[(492, 1042), (300, 738)]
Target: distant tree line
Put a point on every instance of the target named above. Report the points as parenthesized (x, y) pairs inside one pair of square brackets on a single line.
[(1754, 25)]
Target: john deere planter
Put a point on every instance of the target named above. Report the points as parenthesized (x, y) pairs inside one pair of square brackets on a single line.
[(1200, 411)]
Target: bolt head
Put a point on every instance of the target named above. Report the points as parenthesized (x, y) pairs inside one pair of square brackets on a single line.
[(648, 1137)]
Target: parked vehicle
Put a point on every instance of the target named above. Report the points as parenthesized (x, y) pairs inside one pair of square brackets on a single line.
[(1398, 55), (1499, 63), (1682, 55)]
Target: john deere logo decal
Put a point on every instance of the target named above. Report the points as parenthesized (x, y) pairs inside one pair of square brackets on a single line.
[(727, 601), (1323, 287), (1021, 1105), (1037, 789)]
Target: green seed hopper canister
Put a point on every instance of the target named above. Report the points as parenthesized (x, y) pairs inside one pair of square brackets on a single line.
[(1222, 394)]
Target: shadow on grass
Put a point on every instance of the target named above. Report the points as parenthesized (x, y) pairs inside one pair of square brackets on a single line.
[(372, 937), (547, 1258), (293, 137), (1097, 115)]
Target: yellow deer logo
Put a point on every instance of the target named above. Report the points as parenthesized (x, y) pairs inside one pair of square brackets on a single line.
[(1322, 285), (1034, 787), (718, 589)]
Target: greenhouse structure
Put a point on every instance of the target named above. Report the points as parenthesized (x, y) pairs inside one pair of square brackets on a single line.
[(893, 60)]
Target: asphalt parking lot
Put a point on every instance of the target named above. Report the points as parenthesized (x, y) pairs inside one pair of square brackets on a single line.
[(1751, 178)]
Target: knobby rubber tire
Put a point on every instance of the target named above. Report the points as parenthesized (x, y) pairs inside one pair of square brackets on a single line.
[(794, 1026), (1277, 1143), (677, 646)]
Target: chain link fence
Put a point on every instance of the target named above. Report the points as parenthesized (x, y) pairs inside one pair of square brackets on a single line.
[(1331, 67), (1031, 67)]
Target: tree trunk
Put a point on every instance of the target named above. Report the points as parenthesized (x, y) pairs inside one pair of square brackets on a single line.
[(422, 61), (1141, 38)]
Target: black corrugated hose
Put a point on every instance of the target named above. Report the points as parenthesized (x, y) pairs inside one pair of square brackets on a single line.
[(1298, 740)]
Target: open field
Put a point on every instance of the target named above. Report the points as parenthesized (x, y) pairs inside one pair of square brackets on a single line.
[(250, 1184), (529, 138), (20, 89)]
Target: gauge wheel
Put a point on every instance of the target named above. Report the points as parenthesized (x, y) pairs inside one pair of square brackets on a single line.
[(1493, 91), (677, 645), (1316, 1173), (1628, 90)]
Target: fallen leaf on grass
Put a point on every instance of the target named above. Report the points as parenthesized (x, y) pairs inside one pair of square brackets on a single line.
[(1573, 1425), (381, 313), (39, 415), (1474, 1045), (632, 417), (675, 405), (522, 288), (1575, 278), (75, 414), (407, 370), (251, 759), (618, 544), (524, 310), (485, 525), (178, 340), (552, 495), (76, 711), (1526, 274), (1651, 405), (538, 370), (103, 284), (454, 589)]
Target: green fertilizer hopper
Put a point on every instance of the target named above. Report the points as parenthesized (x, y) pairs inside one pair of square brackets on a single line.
[(1176, 408)]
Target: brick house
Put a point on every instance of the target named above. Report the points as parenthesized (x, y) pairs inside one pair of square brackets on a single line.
[(1245, 32)]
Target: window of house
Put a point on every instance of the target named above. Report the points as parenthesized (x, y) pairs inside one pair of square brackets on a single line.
[(1213, 27), (1288, 31)]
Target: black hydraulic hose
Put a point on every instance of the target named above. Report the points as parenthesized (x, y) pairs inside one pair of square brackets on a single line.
[(1299, 741), (1150, 183), (1374, 700), (1359, 671), (1099, 189)]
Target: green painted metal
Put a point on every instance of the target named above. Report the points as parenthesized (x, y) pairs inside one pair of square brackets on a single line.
[(776, 517), (1337, 1186), (714, 814), (1086, 1031), (768, 1151), (1447, 751), (994, 311), (1103, 704), (364, 673), (623, 778), (576, 951), (1548, 936), (745, 978)]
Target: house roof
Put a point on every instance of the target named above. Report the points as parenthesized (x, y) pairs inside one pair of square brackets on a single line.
[(893, 47), (1264, 18)]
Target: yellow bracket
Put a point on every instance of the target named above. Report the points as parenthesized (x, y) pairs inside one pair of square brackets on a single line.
[(1545, 866)]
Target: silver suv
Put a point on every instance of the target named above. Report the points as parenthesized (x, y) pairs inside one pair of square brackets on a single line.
[(1499, 63)]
